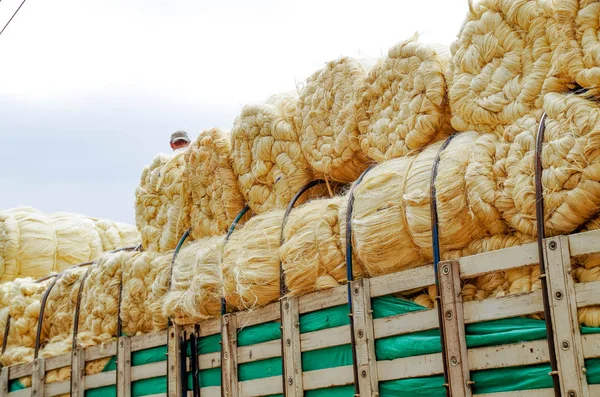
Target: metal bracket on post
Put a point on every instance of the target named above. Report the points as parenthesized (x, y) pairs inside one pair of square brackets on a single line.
[(563, 307), (459, 381), (291, 353), (124, 367), (78, 372), (173, 362), (229, 365), (362, 318), (37, 378)]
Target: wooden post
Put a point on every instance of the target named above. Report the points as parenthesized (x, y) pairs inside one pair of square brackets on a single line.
[(4, 381), (37, 378), (124, 367), (563, 307), (229, 366), (365, 339), (291, 354), (78, 372), (455, 341), (173, 362)]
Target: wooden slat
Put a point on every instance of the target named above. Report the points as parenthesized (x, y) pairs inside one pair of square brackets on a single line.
[(410, 367), (591, 345), (148, 341), (504, 259), (100, 379), (210, 327), (229, 367), (174, 386), (259, 351), (260, 387), (78, 372), (213, 391), (64, 360), (124, 367), (19, 371), (208, 361), (292, 352), (330, 377), (325, 338), (322, 299), (528, 353), (20, 393), (403, 281), (57, 389), (108, 349), (4, 381), (147, 371), (584, 243), (38, 377), (405, 323), (453, 324), (259, 315), (587, 294), (362, 318), (504, 307), (522, 393)]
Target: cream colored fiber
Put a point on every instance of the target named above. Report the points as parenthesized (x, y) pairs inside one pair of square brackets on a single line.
[(326, 120), (159, 202), (196, 288), (267, 159), (212, 198), (250, 267), (403, 105)]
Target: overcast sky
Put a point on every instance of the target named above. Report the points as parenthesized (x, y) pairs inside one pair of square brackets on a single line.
[(90, 90)]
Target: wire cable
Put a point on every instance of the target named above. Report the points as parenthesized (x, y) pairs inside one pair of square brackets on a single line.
[(11, 18)]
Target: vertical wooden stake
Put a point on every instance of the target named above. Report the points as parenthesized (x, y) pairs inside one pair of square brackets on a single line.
[(563, 308), (455, 341), (78, 372), (4, 381), (37, 378), (124, 367), (291, 354), (173, 362), (365, 339), (229, 366)]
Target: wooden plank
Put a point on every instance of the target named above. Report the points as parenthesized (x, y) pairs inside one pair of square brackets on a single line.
[(587, 294), (325, 338), (259, 351), (405, 323), (453, 324), (229, 367), (410, 367), (108, 349), (100, 379), (504, 259), (292, 351), (563, 306), (522, 393), (260, 387), (406, 280), (4, 381), (258, 315), (591, 345), (124, 367), (64, 360), (174, 385), (490, 357), (148, 341), (362, 318), (19, 371), (57, 389), (584, 243), (38, 377), (210, 327), (20, 393), (213, 391), (330, 377), (147, 371), (208, 361), (504, 307), (78, 372), (323, 299)]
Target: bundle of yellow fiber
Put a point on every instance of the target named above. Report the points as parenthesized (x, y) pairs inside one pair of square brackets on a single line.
[(140, 272), (326, 120), (196, 289), (403, 105), (312, 254), (250, 268), (391, 222), (115, 235), (212, 198), (502, 63), (570, 161), (26, 296), (267, 159), (159, 202)]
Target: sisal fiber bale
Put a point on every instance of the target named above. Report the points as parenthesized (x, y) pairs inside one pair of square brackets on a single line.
[(196, 289), (159, 202), (250, 268), (25, 295), (212, 198), (115, 235), (391, 222), (140, 271), (570, 161), (403, 105), (326, 120), (267, 158), (502, 63), (312, 255)]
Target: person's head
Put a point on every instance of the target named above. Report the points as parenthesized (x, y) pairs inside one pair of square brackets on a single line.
[(179, 140)]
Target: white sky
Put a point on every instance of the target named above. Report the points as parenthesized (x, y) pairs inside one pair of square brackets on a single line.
[(90, 90)]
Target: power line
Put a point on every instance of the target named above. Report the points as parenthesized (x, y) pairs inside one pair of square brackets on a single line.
[(11, 18)]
